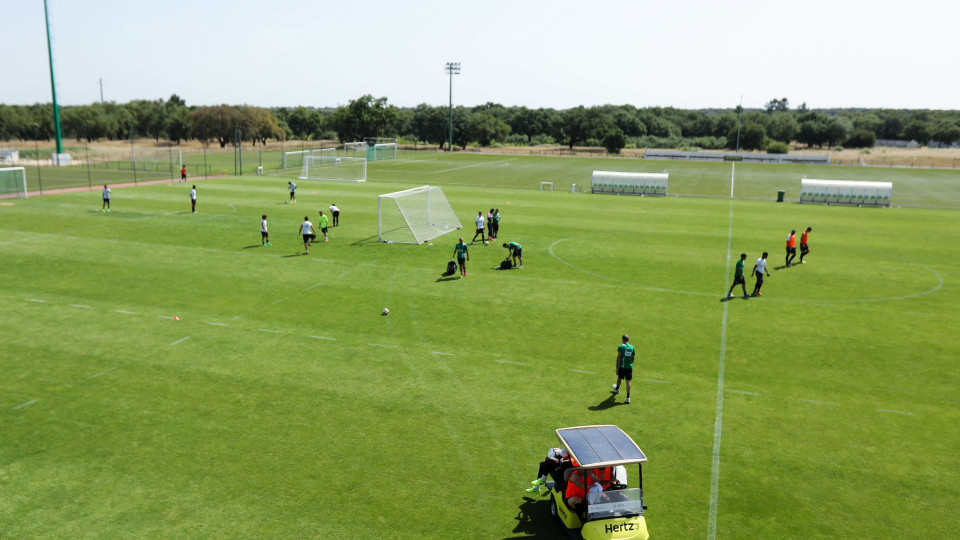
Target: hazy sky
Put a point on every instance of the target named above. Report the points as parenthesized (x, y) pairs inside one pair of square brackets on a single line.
[(687, 54)]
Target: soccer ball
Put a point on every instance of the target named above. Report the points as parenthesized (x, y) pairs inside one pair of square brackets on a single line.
[(486, 243), (386, 311)]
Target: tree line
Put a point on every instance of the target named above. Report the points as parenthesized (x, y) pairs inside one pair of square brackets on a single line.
[(613, 127)]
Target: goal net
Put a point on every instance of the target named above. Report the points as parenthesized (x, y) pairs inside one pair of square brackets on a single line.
[(157, 159), (330, 167), (13, 182), (372, 151), (294, 159), (415, 216)]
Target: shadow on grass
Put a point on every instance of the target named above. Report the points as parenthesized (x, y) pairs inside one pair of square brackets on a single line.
[(251, 247), (737, 297), (295, 255), (534, 520), (448, 278), (367, 240), (605, 404)]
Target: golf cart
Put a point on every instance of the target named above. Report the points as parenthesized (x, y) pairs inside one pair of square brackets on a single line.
[(602, 452)]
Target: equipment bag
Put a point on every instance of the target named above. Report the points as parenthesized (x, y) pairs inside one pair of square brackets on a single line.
[(451, 267), (506, 264)]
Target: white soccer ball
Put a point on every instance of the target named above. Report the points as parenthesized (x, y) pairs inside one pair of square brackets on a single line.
[(486, 243), (386, 311)]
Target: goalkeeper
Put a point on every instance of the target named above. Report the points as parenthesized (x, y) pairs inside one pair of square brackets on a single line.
[(516, 251)]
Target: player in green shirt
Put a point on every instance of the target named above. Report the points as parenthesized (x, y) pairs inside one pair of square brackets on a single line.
[(738, 277), (463, 255), (516, 251), (322, 223), (496, 222), (625, 356)]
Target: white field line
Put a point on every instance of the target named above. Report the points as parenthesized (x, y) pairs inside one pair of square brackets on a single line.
[(323, 337), (582, 371), (656, 381), (169, 318), (268, 330), (817, 402), (744, 392), (237, 317), (104, 372), (891, 411), (81, 306), (382, 345), (718, 421), (276, 302), (474, 165), (35, 300), (343, 274), (211, 323), (443, 353), (181, 340), (509, 362), (125, 312), (22, 405), (315, 285)]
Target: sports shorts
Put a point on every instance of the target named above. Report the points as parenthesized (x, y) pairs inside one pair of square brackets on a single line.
[(804, 248), (309, 237), (626, 374), (263, 234), (462, 260), (324, 230), (739, 279)]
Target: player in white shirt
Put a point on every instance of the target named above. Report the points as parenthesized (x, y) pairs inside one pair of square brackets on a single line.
[(193, 199), (293, 192), (264, 235), (480, 228), (335, 212), (306, 229), (106, 199), (760, 268)]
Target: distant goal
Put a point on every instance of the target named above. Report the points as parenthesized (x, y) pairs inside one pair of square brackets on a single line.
[(373, 149), (330, 167), (294, 159), (13, 183), (415, 216)]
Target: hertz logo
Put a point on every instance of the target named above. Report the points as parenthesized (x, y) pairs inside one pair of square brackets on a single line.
[(612, 528)]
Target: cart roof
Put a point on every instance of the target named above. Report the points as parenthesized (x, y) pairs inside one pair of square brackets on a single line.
[(600, 446)]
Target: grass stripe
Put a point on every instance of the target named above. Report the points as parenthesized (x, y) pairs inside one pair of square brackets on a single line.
[(211, 323), (125, 312), (582, 371), (744, 392), (509, 362), (656, 381), (80, 306), (443, 353), (382, 345)]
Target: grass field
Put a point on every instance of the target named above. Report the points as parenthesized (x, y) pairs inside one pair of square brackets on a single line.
[(282, 404)]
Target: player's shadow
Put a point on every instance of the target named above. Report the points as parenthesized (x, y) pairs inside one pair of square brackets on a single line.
[(737, 297), (251, 247), (533, 520), (453, 277), (605, 404), (783, 267), (295, 255)]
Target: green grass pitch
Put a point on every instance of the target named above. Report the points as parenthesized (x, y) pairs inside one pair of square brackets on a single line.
[(282, 404)]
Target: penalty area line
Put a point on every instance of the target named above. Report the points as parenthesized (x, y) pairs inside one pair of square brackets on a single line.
[(324, 337), (509, 362), (582, 371), (443, 353), (268, 330), (181, 340), (891, 411), (35, 300), (104, 372), (744, 392), (656, 381), (22, 405), (382, 345)]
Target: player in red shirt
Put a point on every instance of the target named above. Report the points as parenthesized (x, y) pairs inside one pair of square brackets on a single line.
[(791, 246), (804, 248)]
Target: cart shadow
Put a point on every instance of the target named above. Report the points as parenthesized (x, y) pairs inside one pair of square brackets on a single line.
[(534, 520)]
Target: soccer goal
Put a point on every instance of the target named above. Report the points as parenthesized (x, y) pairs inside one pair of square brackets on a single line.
[(415, 216), (627, 183), (341, 169), (13, 182), (157, 159), (372, 151), (294, 159)]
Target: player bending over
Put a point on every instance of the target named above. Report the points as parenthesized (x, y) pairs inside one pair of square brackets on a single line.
[(516, 251)]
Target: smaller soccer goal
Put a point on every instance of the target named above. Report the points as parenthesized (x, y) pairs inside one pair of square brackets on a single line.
[(294, 159), (330, 167), (371, 150), (415, 216), (13, 183)]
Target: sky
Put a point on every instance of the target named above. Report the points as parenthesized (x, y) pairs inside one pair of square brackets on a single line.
[(558, 54)]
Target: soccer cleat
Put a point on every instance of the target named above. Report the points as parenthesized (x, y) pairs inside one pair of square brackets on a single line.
[(537, 482), (759, 293), (521, 267), (746, 296), (615, 389), (803, 262), (628, 401), (535, 489), (729, 295)]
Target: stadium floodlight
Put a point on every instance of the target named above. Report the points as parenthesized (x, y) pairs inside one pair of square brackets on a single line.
[(415, 216), (13, 181), (453, 68), (338, 169)]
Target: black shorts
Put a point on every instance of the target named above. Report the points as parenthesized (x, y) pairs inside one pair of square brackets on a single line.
[(759, 277), (791, 251), (519, 253), (336, 214), (804, 248), (481, 230), (462, 260), (623, 373), (739, 279), (263, 234), (309, 237), (324, 230)]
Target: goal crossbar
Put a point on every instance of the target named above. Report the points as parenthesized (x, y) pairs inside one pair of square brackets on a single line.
[(415, 216), (13, 182)]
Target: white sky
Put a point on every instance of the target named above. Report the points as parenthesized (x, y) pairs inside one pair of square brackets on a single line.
[(681, 53)]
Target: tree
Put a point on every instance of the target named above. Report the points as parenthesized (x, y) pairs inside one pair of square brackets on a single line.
[(261, 124), (861, 138), (218, 122), (777, 105), (574, 126), (305, 123), (752, 137), (917, 130), (485, 128), (945, 131), (783, 127), (614, 140), (837, 129), (366, 116)]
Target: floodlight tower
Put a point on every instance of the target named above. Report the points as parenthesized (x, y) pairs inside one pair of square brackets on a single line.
[(53, 84), (453, 68)]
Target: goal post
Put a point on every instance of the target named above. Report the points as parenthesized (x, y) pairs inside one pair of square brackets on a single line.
[(13, 182), (372, 148), (294, 159), (330, 167), (415, 216)]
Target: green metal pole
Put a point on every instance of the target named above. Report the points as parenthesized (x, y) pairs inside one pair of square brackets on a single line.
[(133, 157), (86, 155), (240, 148), (53, 84)]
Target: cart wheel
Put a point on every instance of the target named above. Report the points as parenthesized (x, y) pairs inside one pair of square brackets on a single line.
[(553, 509)]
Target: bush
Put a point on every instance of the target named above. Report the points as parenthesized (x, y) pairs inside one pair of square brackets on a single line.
[(777, 147), (861, 138), (837, 149), (520, 139), (614, 141), (542, 139)]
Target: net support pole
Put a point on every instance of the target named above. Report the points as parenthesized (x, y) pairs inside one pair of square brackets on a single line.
[(53, 84)]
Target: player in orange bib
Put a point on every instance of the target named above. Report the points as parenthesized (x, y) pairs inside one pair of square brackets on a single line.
[(804, 248), (791, 246)]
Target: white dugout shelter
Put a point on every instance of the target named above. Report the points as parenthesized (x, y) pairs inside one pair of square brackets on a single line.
[(845, 192), (628, 183)]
